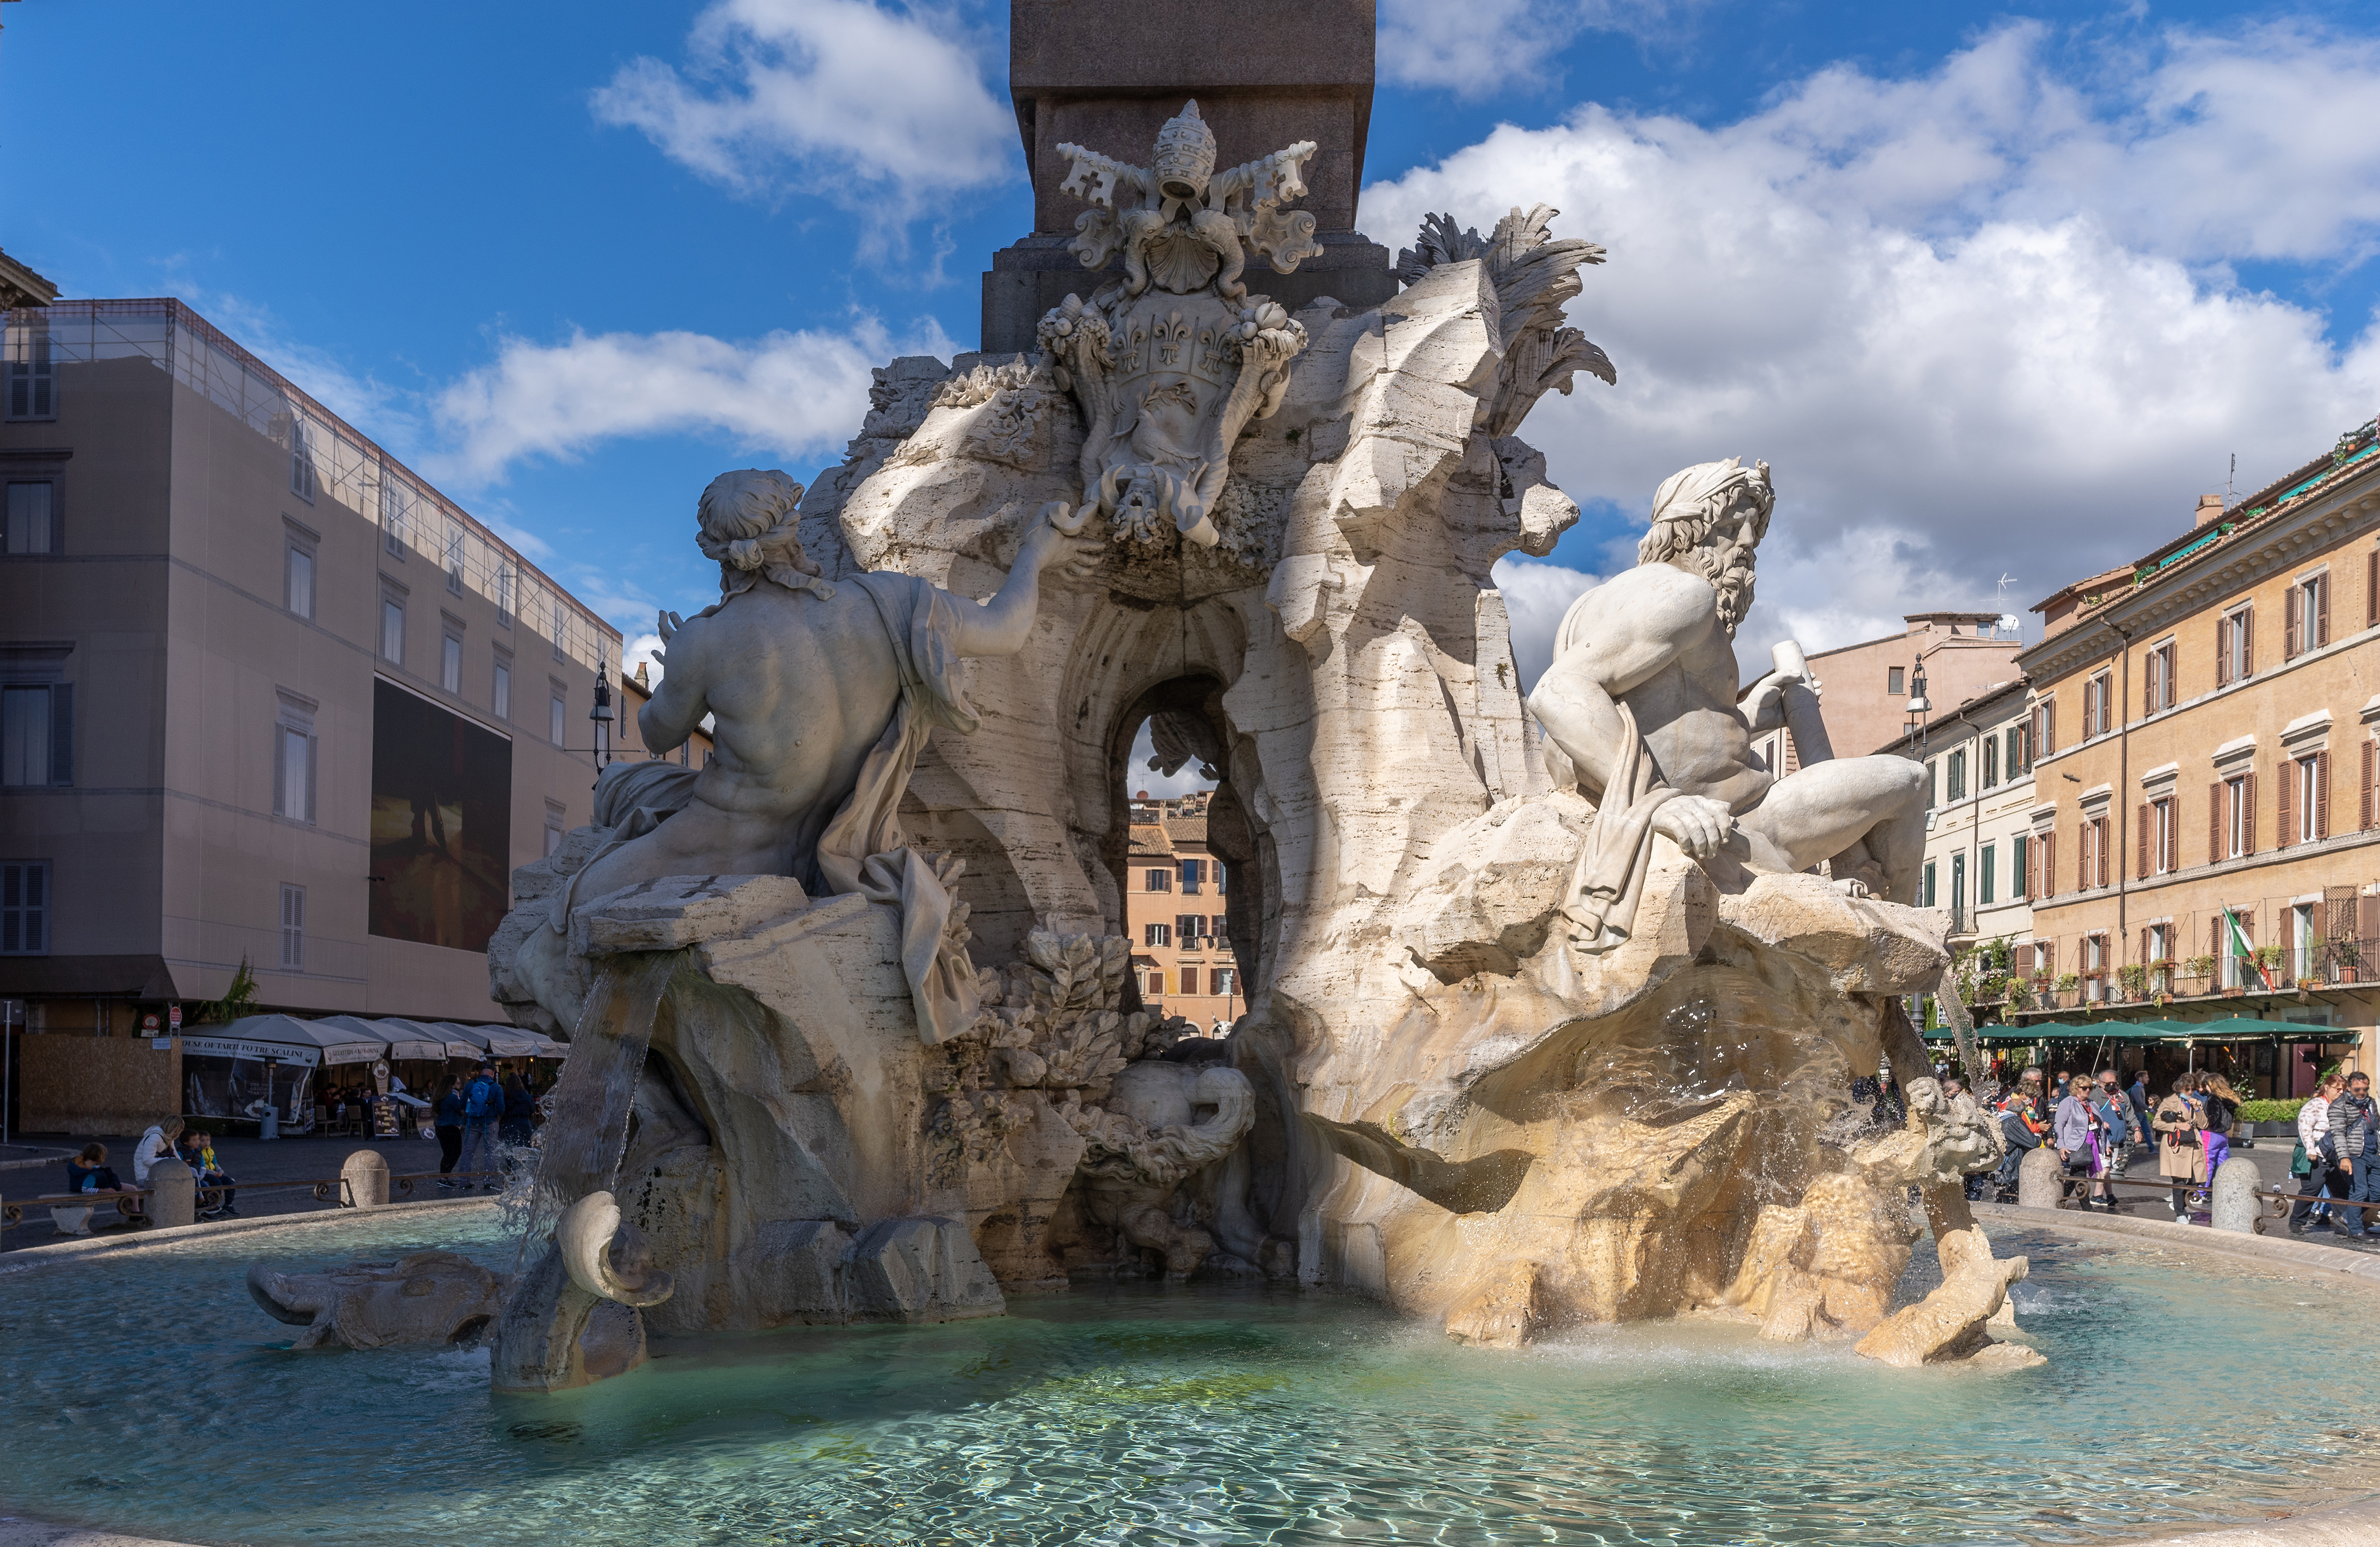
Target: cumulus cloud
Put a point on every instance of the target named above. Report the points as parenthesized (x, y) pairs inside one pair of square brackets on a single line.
[(795, 392), (1948, 310), (855, 102), (1486, 44), (1536, 594)]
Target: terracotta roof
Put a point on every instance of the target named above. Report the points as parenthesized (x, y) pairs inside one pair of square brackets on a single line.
[(1186, 830), (1150, 841)]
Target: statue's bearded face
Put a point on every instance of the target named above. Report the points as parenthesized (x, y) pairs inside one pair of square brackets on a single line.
[(1725, 558)]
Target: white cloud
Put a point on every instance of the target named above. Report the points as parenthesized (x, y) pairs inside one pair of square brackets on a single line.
[(792, 393), (1945, 309), (643, 647), (856, 101), (1139, 778), (1479, 47)]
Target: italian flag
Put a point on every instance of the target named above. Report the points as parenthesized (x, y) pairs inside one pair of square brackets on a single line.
[(2240, 949)]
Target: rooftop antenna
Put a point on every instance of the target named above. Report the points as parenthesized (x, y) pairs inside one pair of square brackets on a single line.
[(2229, 495)]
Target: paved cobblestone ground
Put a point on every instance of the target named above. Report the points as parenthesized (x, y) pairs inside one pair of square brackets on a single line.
[(254, 1162)]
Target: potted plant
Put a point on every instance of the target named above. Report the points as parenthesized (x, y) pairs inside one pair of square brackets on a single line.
[(2070, 985), (2134, 976), (2345, 959), (2199, 970), (2272, 958)]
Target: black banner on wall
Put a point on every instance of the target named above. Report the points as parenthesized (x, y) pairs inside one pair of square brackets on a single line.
[(441, 823)]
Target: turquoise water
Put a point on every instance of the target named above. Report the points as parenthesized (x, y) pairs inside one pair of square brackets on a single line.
[(144, 1391)]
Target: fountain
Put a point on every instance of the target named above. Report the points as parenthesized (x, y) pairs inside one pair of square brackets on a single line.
[(1554, 1009)]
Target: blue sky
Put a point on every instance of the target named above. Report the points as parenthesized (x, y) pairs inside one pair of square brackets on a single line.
[(1997, 292)]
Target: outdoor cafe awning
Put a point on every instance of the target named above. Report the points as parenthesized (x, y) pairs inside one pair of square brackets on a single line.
[(403, 1039), (495, 1041), (286, 1039), (2233, 1028)]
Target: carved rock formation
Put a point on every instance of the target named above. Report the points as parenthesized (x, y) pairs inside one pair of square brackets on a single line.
[(429, 1297)]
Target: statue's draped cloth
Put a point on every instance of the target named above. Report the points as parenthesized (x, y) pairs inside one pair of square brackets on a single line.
[(862, 848), (1608, 881)]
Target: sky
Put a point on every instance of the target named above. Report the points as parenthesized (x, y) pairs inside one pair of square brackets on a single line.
[(1997, 292)]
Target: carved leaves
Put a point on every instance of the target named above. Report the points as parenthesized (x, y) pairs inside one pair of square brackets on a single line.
[(1536, 276)]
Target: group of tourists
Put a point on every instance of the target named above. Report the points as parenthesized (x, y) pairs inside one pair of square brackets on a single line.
[(2094, 1123), (2338, 1157), (168, 1138), (480, 1117)]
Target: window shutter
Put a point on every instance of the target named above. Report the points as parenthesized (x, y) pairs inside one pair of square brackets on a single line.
[(2248, 814), (2023, 955), (2144, 842), (2100, 832), (62, 733), (2321, 795), (2222, 651), (2321, 612), (2214, 821), (2292, 629), (2283, 833), (281, 771), (2372, 589), (2083, 857), (2145, 947), (2247, 630), (2364, 816), (2048, 846), (314, 773)]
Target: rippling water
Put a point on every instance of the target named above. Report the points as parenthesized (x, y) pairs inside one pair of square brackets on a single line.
[(146, 1392)]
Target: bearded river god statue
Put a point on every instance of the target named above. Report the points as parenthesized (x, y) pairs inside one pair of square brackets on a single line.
[(1551, 1010)]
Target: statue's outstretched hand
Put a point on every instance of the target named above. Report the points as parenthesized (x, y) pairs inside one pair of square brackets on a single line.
[(1050, 543), (667, 626), (1695, 823)]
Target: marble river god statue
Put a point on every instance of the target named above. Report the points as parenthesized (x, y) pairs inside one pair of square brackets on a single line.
[(1553, 1010)]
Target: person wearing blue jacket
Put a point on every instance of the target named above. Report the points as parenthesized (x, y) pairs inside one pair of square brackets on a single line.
[(483, 1113), (449, 1126)]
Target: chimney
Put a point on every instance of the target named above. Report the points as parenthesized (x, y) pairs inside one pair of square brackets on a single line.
[(2210, 508)]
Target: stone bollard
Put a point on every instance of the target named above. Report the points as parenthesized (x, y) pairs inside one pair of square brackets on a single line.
[(173, 1193), (2036, 1179), (2234, 1206), (365, 1175)]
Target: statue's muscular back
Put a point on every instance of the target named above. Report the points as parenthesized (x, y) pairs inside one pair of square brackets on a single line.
[(1674, 663), (799, 689)]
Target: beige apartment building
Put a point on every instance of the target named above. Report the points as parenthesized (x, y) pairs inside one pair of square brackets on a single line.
[(1866, 685), (2204, 838), (1979, 816), (1175, 915), (269, 696)]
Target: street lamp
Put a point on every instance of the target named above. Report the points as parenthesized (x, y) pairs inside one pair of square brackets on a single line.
[(1914, 726), (602, 715)]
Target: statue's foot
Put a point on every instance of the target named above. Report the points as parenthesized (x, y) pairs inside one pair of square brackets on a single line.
[(1852, 887)]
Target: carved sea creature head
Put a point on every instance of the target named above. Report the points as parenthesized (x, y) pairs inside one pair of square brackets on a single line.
[(1698, 518), (1186, 156), (748, 520)]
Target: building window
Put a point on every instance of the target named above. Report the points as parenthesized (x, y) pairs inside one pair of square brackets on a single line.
[(1926, 887), (301, 460), (1193, 872), (455, 560), (1987, 864), (450, 663), (1190, 928), (2162, 837), (37, 735), (1957, 892), (391, 630), (32, 528), (2157, 690), (2098, 701), (2235, 935), (560, 708), (2095, 967), (1189, 979), (2309, 619), (1958, 774), (1159, 880), (1991, 746), (1156, 934), (560, 630), (2304, 931), (1931, 787), (2235, 818), (395, 515), (1894, 681), (2019, 883), (25, 908), (2013, 759), (298, 580), (32, 376), (1227, 980), (1222, 925), (501, 699), (506, 582), (556, 824), (2304, 815), (2044, 732), (2235, 655), (295, 749), (1156, 985), (293, 928)]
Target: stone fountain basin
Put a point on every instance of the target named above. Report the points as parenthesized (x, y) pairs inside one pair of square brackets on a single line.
[(150, 1396)]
